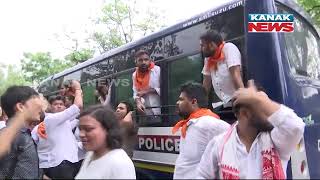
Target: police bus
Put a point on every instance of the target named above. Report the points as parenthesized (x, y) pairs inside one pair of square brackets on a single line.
[(287, 65)]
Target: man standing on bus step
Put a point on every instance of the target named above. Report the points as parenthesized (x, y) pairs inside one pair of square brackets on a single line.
[(146, 84), (198, 127), (258, 145), (222, 66)]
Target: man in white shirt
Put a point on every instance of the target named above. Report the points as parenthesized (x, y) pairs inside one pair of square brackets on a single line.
[(259, 145), (198, 127), (146, 84), (61, 157), (222, 66)]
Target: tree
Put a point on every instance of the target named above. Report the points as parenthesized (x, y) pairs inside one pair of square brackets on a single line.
[(40, 65), (313, 8), (13, 76), (123, 22), (79, 49), (78, 56)]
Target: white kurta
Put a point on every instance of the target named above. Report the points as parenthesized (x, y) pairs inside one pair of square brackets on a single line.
[(200, 131), (286, 134)]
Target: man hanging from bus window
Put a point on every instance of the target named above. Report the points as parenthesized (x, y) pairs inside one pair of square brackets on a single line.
[(198, 127), (222, 66), (258, 145), (146, 84), (61, 160)]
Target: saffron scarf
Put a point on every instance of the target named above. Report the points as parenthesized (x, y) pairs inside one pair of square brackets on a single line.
[(229, 166), (216, 58), (42, 130), (183, 124), (142, 79)]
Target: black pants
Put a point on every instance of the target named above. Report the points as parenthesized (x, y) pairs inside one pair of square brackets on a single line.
[(65, 170)]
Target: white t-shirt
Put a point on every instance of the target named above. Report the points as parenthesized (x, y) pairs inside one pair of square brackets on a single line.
[(115, 164), (221, 78), (200, 131)]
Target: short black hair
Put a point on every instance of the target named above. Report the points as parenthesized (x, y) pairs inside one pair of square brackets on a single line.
[(195, 91), (140, 52), (56, 98), (236, 109), (109, 122), (212, 36), (14, 95), (128, 105)]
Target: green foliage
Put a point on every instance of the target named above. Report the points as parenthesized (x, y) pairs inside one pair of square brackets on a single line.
[(313, 8), (40, 65), (124, 21), (10, 75), (79, 56), (107, 41)]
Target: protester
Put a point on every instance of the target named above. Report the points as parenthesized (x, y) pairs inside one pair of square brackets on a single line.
[(128, 125), (101, 136), (259, 145), (198, 127), (222, 66), (104, 91), (61, 160), (146, 84), (22, 106)]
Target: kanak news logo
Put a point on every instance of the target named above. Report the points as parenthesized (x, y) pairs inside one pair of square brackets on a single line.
[(270, 23)]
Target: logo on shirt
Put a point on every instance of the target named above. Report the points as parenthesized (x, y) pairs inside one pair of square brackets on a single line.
[(270, 23)]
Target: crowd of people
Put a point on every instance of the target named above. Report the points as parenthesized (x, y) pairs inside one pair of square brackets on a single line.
[(60, 139)]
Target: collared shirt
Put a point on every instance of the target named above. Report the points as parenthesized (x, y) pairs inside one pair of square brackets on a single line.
[(200, 131), (286, 134), (221, 78), (151, 100), (61, 143), (22, 162)]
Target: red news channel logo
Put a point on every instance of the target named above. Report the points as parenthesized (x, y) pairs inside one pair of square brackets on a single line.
[(270, 23)]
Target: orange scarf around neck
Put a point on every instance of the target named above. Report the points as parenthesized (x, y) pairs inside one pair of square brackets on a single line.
[(183, 124), (42, 130), (142, 78), (217, 57)]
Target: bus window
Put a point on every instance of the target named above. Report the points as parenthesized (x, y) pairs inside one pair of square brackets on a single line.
[(302, 50), (154, 48), (123, 88), (181, 71), (89, 95), (187, 40), (73, 76)]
